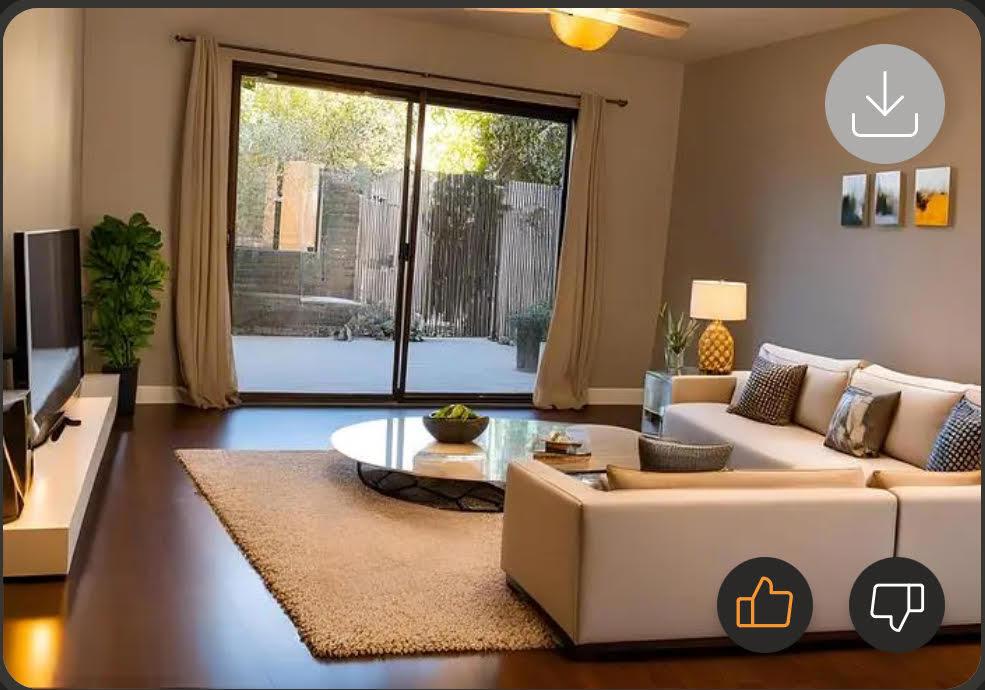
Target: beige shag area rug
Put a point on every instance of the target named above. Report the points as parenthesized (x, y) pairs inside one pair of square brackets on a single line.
[(360, 573)]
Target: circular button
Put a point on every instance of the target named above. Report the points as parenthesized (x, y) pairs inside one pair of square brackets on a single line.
[(897, 605), (884, 103), (765, 605)]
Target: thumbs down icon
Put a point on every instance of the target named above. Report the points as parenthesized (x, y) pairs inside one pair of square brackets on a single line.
[(895, 601)]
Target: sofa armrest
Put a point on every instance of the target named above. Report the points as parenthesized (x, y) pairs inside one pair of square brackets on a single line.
[(541, 550), (622, 566), (941, 527), (653, 561), (691, 388)]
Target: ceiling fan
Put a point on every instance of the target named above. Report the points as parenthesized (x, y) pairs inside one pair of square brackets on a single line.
[(590, 28)]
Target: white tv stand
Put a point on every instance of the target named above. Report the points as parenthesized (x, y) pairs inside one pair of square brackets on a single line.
[(42, 540)]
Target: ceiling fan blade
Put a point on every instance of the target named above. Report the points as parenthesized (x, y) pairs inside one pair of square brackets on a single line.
[(633, 19)]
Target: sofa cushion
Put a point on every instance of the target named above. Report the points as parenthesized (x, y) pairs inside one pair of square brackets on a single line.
[(861, 422), (741, 377), (626, 478), (974, 394), (958, 447), (824, 382), (770, 393), (924, 405), (889, 479), (761, 446)]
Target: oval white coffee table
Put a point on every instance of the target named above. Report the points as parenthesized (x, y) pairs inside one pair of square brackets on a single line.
[(399, 458)]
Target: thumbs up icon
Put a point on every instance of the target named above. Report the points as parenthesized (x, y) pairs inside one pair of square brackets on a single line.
[(766, 607)]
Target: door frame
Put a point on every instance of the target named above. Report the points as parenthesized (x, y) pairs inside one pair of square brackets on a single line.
[(419, 98)]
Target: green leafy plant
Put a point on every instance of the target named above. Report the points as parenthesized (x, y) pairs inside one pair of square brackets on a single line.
[(533, 320), (530, 330), (375, 320), (678, 333), (125, 269)]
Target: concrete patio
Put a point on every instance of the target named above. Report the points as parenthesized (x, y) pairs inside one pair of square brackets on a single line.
[(289, 364)]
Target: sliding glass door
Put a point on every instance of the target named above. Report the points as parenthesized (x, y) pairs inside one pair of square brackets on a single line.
[(320, 182), (371, 257), (487, 237)]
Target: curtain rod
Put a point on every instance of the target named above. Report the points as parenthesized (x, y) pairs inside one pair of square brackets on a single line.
[(621, 102)]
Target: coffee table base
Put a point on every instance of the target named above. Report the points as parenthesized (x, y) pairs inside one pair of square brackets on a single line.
[(446, 494)]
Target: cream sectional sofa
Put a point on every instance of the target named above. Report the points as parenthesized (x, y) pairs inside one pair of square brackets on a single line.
[(699, 413), (646, 565)]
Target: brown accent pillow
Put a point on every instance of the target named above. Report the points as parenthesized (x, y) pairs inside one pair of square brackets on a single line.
[(770, 395), (890, 479), (860, 422), (625, 478)]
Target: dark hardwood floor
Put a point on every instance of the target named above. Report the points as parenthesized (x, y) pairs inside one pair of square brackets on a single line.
[(160, 596)]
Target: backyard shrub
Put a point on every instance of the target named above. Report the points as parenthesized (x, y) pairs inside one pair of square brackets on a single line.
[(375, 320), (532, 321)]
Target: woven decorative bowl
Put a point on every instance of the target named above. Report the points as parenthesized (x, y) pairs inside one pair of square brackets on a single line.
[(455, 430)]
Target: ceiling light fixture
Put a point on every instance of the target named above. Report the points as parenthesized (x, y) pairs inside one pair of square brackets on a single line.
[(590, 28), (582, 33)]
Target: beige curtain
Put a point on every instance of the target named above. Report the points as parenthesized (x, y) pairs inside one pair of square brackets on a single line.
[(202, 312), (562, 379)]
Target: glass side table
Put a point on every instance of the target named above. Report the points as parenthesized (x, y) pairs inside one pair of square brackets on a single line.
[(657, 388)]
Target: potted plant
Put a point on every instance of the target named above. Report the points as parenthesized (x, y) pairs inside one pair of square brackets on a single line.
[(530, 325), (678, 335), (124, 268)]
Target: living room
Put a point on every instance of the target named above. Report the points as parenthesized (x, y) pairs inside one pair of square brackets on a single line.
[(424, 276)]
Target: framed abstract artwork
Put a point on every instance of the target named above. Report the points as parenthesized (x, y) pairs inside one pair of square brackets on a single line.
[(888, 198), (854, 199), (932, 197)]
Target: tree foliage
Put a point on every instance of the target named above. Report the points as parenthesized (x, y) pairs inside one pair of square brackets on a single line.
[(500, 147), (356, 135), (353, 136), (125, 270)]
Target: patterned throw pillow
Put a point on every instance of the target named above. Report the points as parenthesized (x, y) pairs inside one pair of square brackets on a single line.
[(860, 422), (667, 455), (958, 447), (770, 394)]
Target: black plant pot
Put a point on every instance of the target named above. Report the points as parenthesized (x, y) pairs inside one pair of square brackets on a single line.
[(127, 401), (528, 349)]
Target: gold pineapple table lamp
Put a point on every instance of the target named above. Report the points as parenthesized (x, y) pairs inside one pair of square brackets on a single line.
[(717, 301)]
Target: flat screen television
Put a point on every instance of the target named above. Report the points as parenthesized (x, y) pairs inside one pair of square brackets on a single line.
[(48, 302)]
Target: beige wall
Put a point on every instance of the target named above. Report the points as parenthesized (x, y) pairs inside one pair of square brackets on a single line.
[(136, 78), (756, 199), (42, 128)]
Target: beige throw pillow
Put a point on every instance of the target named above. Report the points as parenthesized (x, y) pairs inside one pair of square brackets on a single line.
[(824, 382), (890, 479), (625, 478), (923, 407)]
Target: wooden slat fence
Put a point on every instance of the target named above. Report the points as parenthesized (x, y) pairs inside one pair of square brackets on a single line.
[(485, 250)]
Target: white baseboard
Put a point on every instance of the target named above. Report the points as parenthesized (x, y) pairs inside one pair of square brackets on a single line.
[(169, 395), (158, 395), (615, 396)]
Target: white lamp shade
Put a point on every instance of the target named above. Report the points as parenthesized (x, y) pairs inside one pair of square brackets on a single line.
[(718, 300)]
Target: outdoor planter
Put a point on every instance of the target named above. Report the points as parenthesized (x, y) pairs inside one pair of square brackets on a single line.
[(531, 329), (527, 349)]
